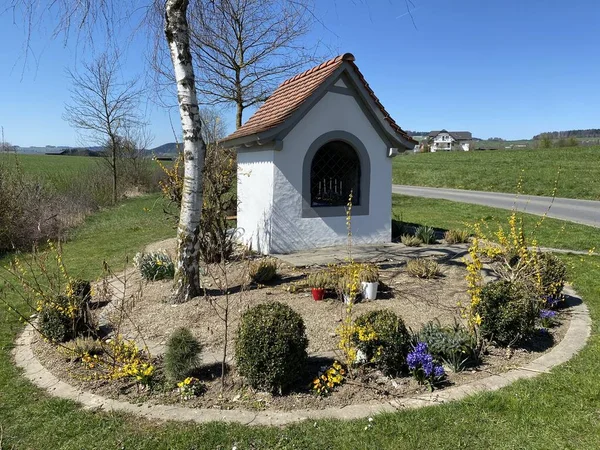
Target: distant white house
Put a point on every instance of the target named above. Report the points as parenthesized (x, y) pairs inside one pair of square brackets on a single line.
[(450, 140)]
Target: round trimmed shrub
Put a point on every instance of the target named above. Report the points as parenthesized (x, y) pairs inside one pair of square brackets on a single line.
[(270, 349), (553, 273), (54, 325), (508, 312), (65, 317), (383, 339), (182, 354)]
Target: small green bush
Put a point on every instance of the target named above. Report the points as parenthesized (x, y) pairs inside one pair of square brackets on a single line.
[(453, 345), (425, 234), (410, 241), (53, 324), (423, 268), (270, 348), (64, 318), (154, 266), (456, 236), (553, 273), (182, 355), (263, 270), (383, 339), (508, 312)]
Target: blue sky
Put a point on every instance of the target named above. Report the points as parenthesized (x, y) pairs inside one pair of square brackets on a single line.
[(508, 68)]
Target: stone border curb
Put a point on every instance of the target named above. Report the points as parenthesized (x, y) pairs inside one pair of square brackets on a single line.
[(573, 341)]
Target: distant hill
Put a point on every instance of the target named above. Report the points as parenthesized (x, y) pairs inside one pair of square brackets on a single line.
[(590, 133), (165, 149)]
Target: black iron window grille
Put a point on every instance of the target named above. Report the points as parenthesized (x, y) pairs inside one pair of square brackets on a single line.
[(334, 173)]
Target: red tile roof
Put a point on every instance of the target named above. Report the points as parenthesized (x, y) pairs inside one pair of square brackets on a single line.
[(292, 93)]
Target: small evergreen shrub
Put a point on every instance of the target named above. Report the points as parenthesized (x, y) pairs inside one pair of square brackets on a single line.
[(53, 323), (553, 273), (383, 339), (270, 348), (425, 234), (154, 266), (423, 268), (64, 317), (410, 241), (508, 312), (182, 355), (263, 270), (456, 236), (454, 345)]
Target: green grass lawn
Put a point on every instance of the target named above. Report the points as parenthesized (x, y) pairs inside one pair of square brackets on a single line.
[(448, 215), (499, 171), (555, 411)]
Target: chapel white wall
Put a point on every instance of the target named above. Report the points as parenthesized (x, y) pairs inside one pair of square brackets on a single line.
[(255, 197), (289, 230)]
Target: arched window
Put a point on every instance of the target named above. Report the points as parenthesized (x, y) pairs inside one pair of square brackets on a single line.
[(334, 173)]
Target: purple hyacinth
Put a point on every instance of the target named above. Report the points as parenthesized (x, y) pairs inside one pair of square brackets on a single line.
[(421, 347), (547, 314), (438, 371)]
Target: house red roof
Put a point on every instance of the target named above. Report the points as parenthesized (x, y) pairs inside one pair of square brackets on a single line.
[(292, 93)]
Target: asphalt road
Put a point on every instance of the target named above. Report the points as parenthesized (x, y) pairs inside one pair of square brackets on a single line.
[(586, 212)]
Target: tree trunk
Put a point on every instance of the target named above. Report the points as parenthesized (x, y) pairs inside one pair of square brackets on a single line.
[(187, 274), (114, 170), (238, 116)]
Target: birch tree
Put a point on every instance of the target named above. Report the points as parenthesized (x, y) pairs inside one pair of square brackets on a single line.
[(87, 18), (187, 275)]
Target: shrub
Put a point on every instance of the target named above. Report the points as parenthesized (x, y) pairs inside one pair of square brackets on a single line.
[(454, 345), (410, 241), (182, 354), (423, 268), (64, 317), (154, 266), (508, 312), (425, 234), (270, 348), (54, 325), (263, 270), (383, 339), (456, 236), (552, 273)]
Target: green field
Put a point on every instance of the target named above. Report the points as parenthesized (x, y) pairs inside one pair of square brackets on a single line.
[(553, 411), (56, 170), (577, 170)]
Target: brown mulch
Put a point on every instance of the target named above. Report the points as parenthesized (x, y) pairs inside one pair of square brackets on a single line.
[(416, 301)]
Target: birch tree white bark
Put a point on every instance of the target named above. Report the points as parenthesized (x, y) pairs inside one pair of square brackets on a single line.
[(187, 275), (86, 19)]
